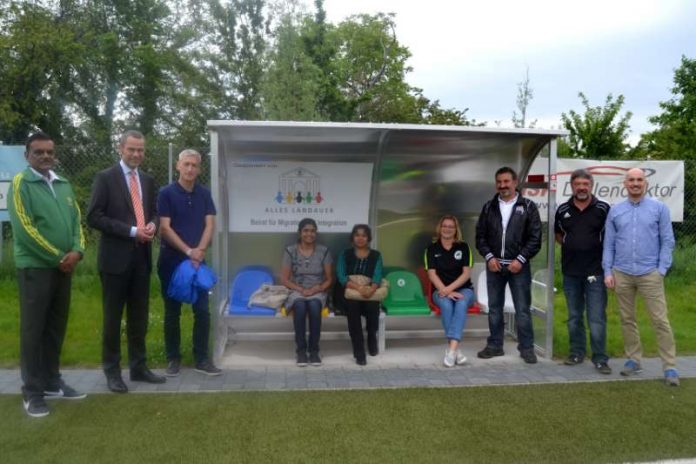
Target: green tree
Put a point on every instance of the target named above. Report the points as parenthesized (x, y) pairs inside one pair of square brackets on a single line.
[(353, 71), (675, 136), (36, 52), (370, 65), (83, 70), (123, 76), (318, 39), (433, 113), (151, 61), (597, 134), (292, 86), (123, 79), (232, 57), (96, 79)]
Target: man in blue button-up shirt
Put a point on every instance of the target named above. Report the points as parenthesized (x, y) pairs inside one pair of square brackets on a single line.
[(637, 254)]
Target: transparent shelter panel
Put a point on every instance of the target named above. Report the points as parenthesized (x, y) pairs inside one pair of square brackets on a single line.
[(419, 174)]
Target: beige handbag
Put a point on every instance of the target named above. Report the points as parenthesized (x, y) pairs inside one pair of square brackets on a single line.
[(269, 296), (361, 280)]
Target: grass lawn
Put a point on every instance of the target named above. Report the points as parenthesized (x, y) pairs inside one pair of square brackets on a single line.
[(680, 288), (576, 423), (82, 346), (680, 297)]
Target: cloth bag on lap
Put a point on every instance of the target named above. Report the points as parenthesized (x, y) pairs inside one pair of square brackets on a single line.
[(379, 295)]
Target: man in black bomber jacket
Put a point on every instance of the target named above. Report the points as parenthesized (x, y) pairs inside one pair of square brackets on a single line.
[(508, 236)]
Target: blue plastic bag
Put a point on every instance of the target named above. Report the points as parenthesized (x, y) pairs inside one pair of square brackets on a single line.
[(205, 278), (187, 282)]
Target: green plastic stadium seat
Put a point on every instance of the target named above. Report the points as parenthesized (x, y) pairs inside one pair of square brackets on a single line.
[(405, 296)]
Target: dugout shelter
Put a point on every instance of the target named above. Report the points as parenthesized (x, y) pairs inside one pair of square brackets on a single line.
[(399, 178)]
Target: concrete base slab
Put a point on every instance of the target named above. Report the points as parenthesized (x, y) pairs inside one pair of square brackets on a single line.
[(338, 353)]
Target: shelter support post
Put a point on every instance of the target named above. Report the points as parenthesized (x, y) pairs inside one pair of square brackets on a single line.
[(551, 243)]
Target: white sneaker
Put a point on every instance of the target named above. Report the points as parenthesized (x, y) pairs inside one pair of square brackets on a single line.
[(460, 358), (449, 358)]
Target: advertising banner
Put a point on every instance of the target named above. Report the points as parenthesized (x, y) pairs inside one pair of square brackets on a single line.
[(665, 182), (12, 161), (275, 196)]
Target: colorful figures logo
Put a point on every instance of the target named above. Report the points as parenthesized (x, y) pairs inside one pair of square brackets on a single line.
[(299, 186)]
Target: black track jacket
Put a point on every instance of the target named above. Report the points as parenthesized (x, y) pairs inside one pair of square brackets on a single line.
[(522, 238)]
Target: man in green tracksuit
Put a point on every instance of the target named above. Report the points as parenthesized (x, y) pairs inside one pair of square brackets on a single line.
[(48, 244)]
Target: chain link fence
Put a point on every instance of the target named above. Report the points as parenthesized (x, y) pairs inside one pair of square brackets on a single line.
[(81, 166), (685, 231)]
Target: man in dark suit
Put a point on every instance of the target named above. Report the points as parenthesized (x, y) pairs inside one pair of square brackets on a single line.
[(123, 207)]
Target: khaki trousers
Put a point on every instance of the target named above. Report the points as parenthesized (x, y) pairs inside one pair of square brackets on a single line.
[(651, 288)]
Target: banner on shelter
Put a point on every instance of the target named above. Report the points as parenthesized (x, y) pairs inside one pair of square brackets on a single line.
[(12, 161), (275, 196), (665, 182)]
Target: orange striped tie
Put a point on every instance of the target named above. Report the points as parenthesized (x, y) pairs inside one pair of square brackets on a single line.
[(137, 202)]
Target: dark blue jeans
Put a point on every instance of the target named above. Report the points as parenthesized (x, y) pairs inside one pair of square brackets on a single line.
[(521, 289), (301, 309), (172, 326), (591, 296)]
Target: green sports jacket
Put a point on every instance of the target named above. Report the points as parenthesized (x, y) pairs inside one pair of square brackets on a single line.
[(44, 227)]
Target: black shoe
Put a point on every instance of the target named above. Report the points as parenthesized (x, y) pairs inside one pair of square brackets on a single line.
[(146, 375), (372, 348), (573, 360), (314, 359), (489, 352), (302, 360), (116, 384), (602, 367), (529, 356), (36, 407), (207, 368), (65, 392), (173, 368), (361, 361)]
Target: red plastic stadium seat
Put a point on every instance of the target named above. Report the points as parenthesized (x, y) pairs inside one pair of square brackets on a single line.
[(475, 308)]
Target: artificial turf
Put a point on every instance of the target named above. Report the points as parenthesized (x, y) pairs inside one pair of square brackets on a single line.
[(571, 423)]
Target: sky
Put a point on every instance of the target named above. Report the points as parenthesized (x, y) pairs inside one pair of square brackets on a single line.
[(472, 54)]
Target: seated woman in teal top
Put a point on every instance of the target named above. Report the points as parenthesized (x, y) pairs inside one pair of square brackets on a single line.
[(360, 259)]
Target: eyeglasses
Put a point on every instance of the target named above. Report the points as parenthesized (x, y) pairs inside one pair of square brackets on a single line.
[(41, 153)]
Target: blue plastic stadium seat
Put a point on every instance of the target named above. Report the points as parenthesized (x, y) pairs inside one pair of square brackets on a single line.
[(246, 282)]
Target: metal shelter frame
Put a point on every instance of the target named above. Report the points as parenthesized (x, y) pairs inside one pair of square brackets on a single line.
[(419, 173)]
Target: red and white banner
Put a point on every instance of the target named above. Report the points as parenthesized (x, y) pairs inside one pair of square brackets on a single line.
[(665, 181)]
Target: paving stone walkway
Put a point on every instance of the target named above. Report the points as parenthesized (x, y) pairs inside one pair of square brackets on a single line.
[(507, 370)]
